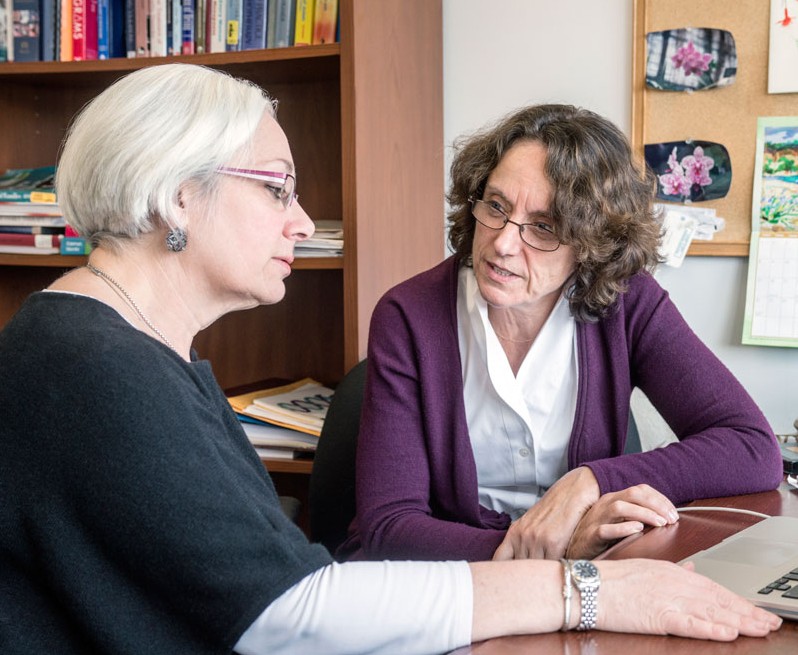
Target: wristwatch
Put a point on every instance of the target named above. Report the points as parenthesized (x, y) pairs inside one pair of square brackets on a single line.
[(585, 576)]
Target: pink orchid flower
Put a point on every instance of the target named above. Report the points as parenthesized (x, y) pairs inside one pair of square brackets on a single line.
[(697, 167), (691, 60)]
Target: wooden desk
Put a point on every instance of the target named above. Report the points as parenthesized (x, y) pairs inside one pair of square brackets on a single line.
[(695, 531)]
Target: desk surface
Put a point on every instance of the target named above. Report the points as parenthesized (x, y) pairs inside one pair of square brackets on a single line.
[(694, 531)]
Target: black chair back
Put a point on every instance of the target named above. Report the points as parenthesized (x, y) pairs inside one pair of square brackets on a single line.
[(331, 496)]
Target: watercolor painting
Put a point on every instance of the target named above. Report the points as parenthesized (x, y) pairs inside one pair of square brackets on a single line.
[(776, 185), (690, 171), (783, 47), (690, 59)]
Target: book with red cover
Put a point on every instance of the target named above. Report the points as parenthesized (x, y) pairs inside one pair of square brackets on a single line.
[(84, 30), (37, 240)]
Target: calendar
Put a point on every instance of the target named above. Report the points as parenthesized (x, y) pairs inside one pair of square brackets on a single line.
[(771, 310)]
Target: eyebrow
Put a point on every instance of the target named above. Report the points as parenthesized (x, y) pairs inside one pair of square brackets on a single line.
[(541, 213)]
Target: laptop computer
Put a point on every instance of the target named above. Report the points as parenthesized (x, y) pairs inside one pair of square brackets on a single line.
[(759, 563)]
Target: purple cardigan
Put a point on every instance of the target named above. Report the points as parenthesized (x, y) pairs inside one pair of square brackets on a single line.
[(416, 475)]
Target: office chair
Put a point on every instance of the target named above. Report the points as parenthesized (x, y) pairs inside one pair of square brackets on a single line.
[(331, 495)]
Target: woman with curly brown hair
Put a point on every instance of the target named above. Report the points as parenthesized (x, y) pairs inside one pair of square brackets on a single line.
[(498, 383)]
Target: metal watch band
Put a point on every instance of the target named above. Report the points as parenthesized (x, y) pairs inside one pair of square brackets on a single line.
[(585, 577), (567, 590)]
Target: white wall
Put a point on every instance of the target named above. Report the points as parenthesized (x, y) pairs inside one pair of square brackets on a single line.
[(501, 54)]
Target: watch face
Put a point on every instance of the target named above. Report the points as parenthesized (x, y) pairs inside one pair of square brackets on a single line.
[(585, 571)]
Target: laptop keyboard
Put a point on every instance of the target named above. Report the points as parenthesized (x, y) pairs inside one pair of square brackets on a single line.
[(786, 583)]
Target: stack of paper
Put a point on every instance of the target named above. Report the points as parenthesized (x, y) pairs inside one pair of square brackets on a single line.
[(327, 241), (289, 417)]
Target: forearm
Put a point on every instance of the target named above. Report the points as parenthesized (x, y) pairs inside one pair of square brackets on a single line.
[(419, 536), (374, 607), (517, 597)]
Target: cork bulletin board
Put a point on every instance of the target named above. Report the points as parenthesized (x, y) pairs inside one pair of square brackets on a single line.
[(725, 115)]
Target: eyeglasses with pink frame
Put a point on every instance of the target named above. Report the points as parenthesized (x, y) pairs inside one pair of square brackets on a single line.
[(282, 185)]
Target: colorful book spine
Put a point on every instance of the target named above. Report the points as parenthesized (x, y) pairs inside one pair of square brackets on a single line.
[(35, 240), (303, 25), (233, 31), (73, 245), (255, 13), (215, 34), (65, 31), (157, 28), (187, 43), (5, 19), (285, 20), (103, 30), (325, 20), (48, 16), (26, 30), (31, 229), (116, 29), (200, 20), (84, 30), (142, 31)]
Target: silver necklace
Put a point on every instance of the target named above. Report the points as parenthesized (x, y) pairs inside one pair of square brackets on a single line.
[(103, 275)]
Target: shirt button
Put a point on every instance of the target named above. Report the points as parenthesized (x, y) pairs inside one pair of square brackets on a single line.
[(524, 452)]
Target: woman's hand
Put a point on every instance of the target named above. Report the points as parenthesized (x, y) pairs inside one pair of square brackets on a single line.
[(545, 530), (655, 597), (617, 515)]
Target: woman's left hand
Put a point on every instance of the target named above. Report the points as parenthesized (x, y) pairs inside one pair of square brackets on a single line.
[(617, 515)]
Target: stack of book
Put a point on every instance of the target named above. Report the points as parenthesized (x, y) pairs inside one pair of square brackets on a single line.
[(284, 421), (31, 221), (327, 241), (78, 30)]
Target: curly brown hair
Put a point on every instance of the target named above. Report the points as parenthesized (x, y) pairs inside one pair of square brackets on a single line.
[(602, 204)]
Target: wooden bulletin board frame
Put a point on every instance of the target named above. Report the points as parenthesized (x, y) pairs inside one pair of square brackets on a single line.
[(725, 115)]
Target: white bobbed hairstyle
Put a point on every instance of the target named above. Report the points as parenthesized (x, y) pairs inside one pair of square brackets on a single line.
[(131, 149)]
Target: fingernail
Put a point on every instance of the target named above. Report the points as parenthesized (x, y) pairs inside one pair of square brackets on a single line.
[(673, 515), (661, 521)]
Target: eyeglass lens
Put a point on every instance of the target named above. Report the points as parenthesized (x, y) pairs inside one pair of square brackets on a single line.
[(535, 235)]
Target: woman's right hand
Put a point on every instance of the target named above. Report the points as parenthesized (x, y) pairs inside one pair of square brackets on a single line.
[(656, 597)]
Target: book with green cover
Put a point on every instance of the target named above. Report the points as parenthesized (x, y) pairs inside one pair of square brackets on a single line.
[(28, 185)]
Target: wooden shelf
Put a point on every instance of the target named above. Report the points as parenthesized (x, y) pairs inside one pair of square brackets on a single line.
[(298, 466)]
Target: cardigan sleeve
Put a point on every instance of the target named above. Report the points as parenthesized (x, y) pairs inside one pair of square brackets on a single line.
[(725, 447)]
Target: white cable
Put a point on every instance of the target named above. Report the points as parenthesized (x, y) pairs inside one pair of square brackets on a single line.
[(722, 509)]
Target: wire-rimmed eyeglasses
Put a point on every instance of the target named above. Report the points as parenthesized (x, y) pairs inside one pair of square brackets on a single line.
[(539, 235), (281, 185)]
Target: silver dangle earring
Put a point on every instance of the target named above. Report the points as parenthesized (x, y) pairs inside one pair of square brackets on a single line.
[(176, 240)]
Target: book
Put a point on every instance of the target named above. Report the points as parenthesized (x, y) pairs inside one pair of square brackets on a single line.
[(29, 209), (325, 19), (116, 29), (275, 453), (157, 28), (31, 229), (65, 30), (25, 27), (27, 250), (36, 240), (255, 13), (200, 18), (271, 436), (271, 14), (28, 185), (187, 42), (284, 20), (174, 25), (32, 221), (303, 24), (301, 405), (48, 29), (4, 33), (216, 26), (74, 245), (84, 30), (141, 30), (233, 30)]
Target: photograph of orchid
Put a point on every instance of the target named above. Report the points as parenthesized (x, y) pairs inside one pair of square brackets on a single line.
[(690, 59), (690, 171)]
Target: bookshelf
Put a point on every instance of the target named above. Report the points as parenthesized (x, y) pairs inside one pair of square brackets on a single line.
[(365, 122)]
